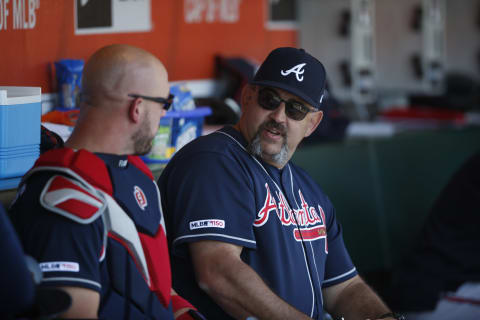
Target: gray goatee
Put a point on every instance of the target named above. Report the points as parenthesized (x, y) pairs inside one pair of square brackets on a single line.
[(255, 146)]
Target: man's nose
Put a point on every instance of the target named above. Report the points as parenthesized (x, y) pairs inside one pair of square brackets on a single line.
[(279, 114)]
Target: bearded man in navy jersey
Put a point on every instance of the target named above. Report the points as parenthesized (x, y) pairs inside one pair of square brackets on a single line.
[(250, 233)]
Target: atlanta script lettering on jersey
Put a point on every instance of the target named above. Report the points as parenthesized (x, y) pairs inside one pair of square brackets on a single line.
[(311, 223)]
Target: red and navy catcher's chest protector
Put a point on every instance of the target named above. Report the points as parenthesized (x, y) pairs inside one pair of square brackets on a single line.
[(134, 265)]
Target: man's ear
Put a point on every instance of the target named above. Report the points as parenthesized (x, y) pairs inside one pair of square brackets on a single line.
[(248, 92), (134, 110), (313, 122)]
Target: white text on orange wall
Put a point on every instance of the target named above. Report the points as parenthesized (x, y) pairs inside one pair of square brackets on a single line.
[(18, 14)]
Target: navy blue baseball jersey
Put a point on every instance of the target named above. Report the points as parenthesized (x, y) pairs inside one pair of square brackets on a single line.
[(17, 292), (212, 189), (95, 221)]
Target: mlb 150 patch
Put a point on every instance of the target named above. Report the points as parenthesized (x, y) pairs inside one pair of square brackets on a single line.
[(59, 266), (209, 223)]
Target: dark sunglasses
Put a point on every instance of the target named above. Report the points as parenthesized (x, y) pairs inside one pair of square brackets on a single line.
[(268, 99), (166, 102)]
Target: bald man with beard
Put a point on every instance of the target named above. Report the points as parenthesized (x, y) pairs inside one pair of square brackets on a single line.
[(90, 213)]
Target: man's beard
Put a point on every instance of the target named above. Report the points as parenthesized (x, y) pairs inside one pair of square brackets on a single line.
[(142, 140), (255, 145)]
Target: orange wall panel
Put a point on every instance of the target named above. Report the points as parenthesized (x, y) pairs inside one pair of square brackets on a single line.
[(187, 49)]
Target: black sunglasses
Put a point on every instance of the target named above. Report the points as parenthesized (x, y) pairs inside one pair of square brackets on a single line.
[(268, 99), (166, 102)]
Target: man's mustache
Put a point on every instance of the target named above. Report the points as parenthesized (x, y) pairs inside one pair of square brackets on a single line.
[(273, 125)]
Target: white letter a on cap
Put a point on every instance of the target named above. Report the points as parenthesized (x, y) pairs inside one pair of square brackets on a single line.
[(298, 70)]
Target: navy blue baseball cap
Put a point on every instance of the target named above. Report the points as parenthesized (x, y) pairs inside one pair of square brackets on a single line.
[(295, 71)]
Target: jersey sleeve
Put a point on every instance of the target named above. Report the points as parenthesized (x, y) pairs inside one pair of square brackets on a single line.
[(339, 266), (68, 252), (207, 197)]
